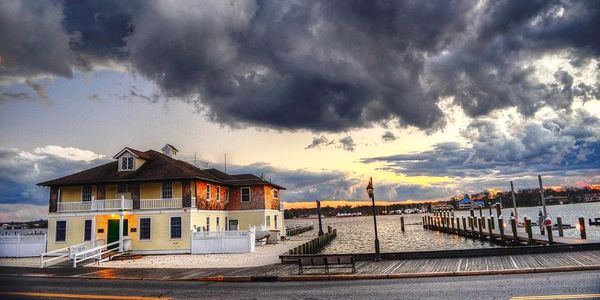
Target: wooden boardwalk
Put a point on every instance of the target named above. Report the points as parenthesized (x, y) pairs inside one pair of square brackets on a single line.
[(443, 266)]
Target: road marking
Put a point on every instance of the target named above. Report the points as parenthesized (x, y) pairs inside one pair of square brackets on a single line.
[(81, 296), (575, 296)]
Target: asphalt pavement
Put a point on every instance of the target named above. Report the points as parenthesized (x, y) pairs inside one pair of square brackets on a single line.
[(568, 285)]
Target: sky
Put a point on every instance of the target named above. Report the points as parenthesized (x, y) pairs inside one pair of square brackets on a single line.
[(430, 98)]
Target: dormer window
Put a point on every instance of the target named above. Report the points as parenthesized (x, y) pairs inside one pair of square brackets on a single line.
[(127, 163)]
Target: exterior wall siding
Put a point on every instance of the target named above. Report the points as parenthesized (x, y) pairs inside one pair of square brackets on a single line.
[(160, 239), (70, 193), (257, 198), (210, 204)]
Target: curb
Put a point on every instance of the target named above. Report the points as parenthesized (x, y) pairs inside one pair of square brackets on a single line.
[(334, 277)]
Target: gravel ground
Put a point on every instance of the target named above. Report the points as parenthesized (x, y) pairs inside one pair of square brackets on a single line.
[(263, 255)]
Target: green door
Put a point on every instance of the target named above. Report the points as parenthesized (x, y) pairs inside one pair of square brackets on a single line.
[(113, 231)]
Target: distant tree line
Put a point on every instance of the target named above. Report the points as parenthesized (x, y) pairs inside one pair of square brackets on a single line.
[(524, 198)]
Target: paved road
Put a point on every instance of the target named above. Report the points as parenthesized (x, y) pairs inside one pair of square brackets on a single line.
[(467, 287)]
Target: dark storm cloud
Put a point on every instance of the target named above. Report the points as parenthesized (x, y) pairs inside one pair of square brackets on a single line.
[(317, 65), (319, 141), (347, 143), (20, 171), (388, 136), (568, 145)]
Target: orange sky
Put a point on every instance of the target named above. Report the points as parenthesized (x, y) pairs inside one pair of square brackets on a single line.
[(336, 203)]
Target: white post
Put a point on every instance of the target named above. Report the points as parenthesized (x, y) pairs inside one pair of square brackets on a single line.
[(122, 201), (121, 231), (19, 245)]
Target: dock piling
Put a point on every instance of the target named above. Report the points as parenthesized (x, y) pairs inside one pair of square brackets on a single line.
[(402, 223), (493, 226), (529, 231), (481, 237), (490, 230), (550, 237), (513, 227), (464, 224), (560, 228), (483, 221), (501, 228), (472, 212), (582, 228)]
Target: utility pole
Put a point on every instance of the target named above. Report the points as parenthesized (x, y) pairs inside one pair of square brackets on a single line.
[(542, 195)]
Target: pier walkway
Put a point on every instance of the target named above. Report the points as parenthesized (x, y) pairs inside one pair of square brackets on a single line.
[(395, 268), (478, 228)]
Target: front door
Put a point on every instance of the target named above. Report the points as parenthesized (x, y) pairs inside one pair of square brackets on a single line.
[(233, 225), (113, 231)]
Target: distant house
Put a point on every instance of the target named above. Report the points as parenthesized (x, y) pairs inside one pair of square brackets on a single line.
[(557, 200), (467, 203), (155, 201), (593, 197)]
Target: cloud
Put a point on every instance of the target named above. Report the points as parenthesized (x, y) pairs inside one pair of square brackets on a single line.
[(20, 171), (319, 141), (388, 136), (347, 143), (563, 147), (318, 65), (69, 153), (22, 212)]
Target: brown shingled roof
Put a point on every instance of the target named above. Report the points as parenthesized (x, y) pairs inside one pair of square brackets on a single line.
[(158, 167)]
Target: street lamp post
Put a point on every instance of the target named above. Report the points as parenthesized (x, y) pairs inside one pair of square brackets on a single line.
[(320, 223), (370, 190)]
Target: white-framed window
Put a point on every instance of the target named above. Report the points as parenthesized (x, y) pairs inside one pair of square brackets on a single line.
[(86, 192), (207, 223), (275, 220), (145, 228), (276, 193), (245, 194), (175, 228), (127, 163), (226, 197), (61, 231), (218, 224), (167, 190), (218, 194), (208, 192), (268, 221), (87, 230)]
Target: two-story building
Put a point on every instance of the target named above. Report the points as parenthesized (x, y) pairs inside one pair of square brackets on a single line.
[(155, 201)]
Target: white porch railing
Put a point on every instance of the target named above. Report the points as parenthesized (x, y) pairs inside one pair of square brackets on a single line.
[(62, 253), (96, 253), (95, 205), (112, 204), (161, 203)]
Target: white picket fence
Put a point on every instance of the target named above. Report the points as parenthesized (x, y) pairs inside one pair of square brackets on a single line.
[(222, 242), (22, 245)]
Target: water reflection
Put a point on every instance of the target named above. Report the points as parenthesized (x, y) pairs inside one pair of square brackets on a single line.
[(355, 234)]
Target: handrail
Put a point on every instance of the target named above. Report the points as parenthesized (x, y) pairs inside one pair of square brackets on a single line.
[(97, 249), (61, 250)]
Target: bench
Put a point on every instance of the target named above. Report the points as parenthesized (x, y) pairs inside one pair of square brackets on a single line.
[(326, 263)]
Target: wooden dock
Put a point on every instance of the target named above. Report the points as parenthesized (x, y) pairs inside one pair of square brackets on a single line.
[(490, 230)]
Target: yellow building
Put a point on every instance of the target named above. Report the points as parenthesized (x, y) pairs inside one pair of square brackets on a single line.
[(153, 202)]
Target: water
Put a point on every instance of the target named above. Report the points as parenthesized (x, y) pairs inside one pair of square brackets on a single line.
[(356, 234)]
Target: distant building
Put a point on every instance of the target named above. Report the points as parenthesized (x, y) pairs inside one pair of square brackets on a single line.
[(467, 203), (593, 197), (557, 200)]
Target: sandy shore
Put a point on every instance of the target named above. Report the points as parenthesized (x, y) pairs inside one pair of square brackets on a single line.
[(20, 262)]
